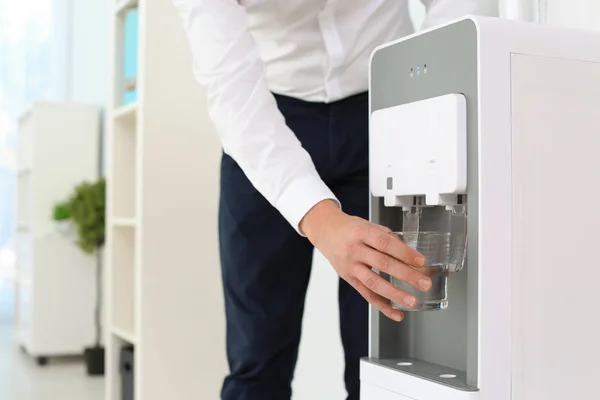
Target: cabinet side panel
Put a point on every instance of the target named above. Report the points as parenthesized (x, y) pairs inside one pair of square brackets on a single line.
[(556, 227), (180, 313)]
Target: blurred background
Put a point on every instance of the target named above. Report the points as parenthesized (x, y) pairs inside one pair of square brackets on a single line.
[(109, 165)]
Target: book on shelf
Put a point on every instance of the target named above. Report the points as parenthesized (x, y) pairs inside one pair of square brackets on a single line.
[(130, 56)]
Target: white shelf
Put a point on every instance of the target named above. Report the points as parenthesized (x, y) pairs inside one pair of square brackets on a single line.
[(157, 150), (23, 226), (24, 171), (124, 335), (124, 5), (124, 222), (126, 112)]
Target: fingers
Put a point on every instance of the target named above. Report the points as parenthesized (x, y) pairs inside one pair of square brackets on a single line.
[(377, 301), (388, 264), (392, 245), (382, 228), (382, 287)]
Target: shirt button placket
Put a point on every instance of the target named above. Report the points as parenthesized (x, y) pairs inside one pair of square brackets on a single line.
[(334, 48)]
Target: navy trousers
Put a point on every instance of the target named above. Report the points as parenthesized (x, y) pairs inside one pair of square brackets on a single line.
[(266, 264)]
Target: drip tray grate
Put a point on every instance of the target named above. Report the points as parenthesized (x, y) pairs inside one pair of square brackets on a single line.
[(432, 372)]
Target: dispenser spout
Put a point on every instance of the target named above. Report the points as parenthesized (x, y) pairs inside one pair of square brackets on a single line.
[(411, 219)]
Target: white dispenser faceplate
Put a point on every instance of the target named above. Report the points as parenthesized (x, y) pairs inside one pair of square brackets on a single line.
[(419, 149)]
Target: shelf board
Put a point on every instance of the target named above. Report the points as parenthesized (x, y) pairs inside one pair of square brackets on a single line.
[(124, 5), (123, 334), (23, 226), (24, 171), (126, 112), (127, 222)]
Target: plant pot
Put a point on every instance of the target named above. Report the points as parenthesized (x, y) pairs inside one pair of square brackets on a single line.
[(64, 228), (94, 360)]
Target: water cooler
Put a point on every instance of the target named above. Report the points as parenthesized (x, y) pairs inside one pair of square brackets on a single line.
[(502, 119)]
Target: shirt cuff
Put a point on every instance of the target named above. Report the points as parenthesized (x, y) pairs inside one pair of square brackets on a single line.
[(300, 196)]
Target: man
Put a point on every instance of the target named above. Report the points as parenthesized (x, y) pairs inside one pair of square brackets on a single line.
[(286, 83)]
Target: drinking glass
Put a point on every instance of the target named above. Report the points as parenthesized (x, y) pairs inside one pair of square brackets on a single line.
[(444, 253)]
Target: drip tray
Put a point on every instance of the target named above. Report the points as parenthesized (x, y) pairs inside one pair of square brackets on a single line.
[(432, 372)]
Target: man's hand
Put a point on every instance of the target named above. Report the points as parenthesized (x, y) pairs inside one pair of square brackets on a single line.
[(354, 246)]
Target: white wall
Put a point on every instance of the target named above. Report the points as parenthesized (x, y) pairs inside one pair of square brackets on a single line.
[(89, 45), (80, 50), (60, 50), (320, 369), (574, 13), (580, 14), (88, 58)]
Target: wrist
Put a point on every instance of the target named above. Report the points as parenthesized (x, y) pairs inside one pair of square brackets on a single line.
[(318, 217)]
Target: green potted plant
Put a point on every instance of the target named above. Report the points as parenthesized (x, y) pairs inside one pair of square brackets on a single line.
[(85, 210), (62, 218)]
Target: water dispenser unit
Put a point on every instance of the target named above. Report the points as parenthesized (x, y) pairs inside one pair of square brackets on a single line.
[(500, 119)]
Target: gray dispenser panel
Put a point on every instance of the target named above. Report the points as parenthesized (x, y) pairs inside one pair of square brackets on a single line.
[(432, 340)]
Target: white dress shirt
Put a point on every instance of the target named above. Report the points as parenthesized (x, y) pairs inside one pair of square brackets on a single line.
[(315, 50)]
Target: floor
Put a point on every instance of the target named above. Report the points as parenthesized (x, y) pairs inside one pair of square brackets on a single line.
[(22, 379)]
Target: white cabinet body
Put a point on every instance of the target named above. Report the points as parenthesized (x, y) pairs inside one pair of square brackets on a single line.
[(58, 149)]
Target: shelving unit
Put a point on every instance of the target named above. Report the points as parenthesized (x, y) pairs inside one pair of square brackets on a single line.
[(58, 148), (163, 276)]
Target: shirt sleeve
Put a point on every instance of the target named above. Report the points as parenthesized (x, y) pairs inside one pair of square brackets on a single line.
[(442, 11), (251, 128)]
